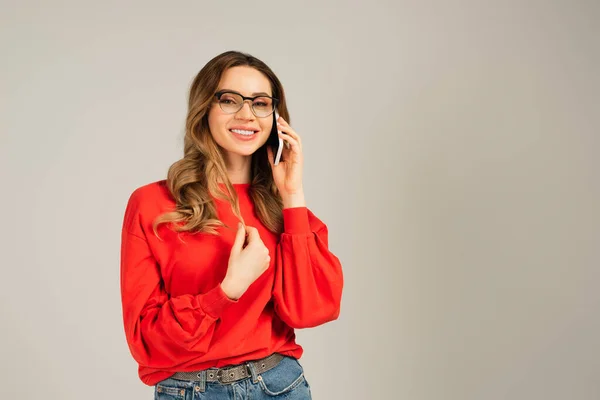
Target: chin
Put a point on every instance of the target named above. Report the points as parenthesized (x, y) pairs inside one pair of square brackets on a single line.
[(242, 151)]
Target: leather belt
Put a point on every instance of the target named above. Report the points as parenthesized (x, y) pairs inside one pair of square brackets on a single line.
[(232, 373)]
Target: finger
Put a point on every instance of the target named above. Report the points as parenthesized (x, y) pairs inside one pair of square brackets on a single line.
[(297, 138), (252, 234), (288, 131), (240, 237), (282, 121), (292, 142)]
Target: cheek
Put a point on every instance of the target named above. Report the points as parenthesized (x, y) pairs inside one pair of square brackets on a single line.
[(216, 122), (266, 126)]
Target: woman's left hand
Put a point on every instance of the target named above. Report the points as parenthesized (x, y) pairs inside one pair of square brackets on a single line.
[(288, 173)]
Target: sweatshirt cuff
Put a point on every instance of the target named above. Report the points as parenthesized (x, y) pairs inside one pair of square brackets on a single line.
[(295, 220), (215, 301)]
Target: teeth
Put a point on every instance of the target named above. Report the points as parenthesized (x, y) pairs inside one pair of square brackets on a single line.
[(242, 132)]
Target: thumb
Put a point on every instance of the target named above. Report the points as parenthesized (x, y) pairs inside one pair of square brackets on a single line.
[(253, 234), (240, 238)]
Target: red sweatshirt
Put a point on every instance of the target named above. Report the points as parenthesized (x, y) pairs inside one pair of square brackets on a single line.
[(176, 315)]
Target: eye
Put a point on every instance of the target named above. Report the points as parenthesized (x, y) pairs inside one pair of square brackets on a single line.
[(229, 99)]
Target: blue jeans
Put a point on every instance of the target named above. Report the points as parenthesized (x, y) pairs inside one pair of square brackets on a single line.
[(284, 381)]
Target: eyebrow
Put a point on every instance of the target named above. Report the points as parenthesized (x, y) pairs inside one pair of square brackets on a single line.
[(253, 94)]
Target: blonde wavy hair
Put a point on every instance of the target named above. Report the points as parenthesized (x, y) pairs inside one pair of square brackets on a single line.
[(194, 178)]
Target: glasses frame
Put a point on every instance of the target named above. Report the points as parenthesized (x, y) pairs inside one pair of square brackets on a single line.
[(244, 98)]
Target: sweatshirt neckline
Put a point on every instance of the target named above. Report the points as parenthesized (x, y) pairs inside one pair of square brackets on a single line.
[(240, 188)]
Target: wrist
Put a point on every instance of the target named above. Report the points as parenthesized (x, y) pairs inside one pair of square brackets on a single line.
[(230, 289), (294, 200)]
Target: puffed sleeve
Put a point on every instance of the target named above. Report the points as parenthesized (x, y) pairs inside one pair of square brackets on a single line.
[(308, 277), (161, 330)]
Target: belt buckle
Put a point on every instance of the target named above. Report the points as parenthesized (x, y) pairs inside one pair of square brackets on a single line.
[(219, 375)]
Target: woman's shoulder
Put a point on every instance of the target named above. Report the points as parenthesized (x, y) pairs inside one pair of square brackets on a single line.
[(151, 189), (151, 195)]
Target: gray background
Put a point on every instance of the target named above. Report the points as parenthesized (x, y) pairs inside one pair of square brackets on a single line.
[(451, 147)]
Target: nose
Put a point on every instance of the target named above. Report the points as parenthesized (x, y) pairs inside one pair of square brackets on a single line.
[(245, 112)]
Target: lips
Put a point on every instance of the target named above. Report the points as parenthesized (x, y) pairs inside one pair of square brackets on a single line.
[(244, 128), (243, 137)]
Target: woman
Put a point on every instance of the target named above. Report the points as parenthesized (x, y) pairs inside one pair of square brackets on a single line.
[(221, 261)]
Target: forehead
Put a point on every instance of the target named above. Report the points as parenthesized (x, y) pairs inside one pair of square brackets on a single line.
[(245, 80)]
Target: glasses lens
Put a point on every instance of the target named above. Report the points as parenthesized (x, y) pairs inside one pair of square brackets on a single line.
[(230, 102), (233, 102), (263, 106)]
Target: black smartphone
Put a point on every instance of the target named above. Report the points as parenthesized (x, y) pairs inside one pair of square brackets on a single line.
[(275, 141)]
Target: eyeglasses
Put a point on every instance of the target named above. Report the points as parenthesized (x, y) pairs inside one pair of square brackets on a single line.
[(232, 102)]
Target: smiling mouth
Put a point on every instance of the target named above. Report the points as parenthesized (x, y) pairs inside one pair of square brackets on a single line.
[(243, 135), (243, 132)]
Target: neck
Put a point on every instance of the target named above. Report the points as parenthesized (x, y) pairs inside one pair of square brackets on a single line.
[(238, 168)]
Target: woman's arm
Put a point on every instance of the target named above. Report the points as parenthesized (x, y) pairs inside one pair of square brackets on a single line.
[(308, 277), (160, 328)]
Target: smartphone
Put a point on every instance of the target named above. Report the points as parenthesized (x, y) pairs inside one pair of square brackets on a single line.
[(275, 141)]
